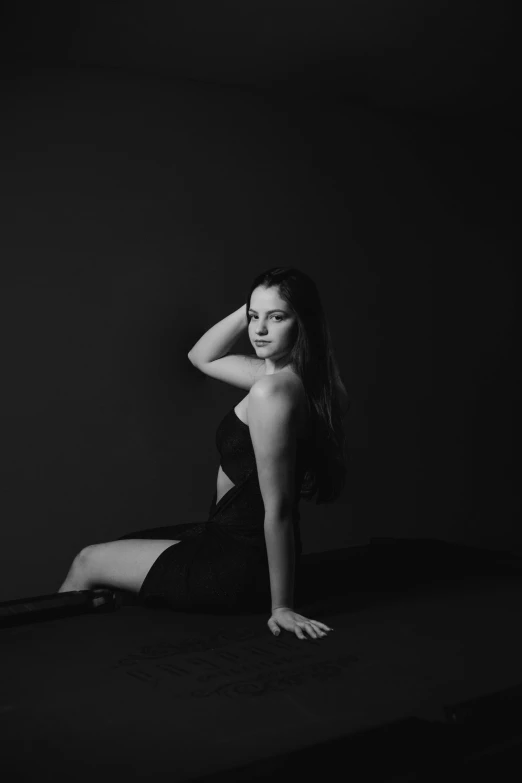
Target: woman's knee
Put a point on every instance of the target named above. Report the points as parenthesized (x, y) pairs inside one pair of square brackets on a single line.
[(121, 564), (85, 557)]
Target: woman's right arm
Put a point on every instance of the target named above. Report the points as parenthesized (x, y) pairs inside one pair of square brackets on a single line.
[(217, 341), (209, 353)]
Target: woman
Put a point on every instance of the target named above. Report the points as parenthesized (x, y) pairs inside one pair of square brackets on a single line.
[(282, 441)]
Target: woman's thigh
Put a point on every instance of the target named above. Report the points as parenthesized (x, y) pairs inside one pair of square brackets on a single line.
[(121, 564)]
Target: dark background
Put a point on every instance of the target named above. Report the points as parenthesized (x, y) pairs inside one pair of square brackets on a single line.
[(159, 155)]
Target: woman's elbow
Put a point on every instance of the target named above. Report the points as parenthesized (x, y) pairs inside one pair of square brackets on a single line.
[(279, 517)]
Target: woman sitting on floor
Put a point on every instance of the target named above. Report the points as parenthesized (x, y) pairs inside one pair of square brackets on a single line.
[(284, 440)]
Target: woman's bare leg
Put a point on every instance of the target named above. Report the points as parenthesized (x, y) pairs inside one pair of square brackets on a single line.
[(120, 564)]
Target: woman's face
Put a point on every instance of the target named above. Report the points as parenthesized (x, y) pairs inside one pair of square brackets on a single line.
[(271, 319)]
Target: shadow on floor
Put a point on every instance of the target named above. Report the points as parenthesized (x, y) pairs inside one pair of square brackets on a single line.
[(351, 577)]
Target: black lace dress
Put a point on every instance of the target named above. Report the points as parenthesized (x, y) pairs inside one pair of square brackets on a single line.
[(221, 564)]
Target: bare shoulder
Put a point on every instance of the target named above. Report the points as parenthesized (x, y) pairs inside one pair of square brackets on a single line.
[(284, 392), (287, 383), (293, 387)]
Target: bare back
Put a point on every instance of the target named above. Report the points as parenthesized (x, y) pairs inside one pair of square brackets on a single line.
[(244, 371), (224, 484)]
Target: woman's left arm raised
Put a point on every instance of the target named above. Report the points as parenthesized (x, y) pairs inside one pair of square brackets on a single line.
[(272, 418)]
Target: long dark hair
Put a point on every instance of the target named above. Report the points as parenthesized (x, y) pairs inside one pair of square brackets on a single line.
[(313, 359)]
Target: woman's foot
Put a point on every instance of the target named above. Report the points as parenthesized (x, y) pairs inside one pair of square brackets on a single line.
[(99, 596)]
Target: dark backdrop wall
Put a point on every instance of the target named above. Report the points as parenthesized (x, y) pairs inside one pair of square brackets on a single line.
[(136, 212)]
